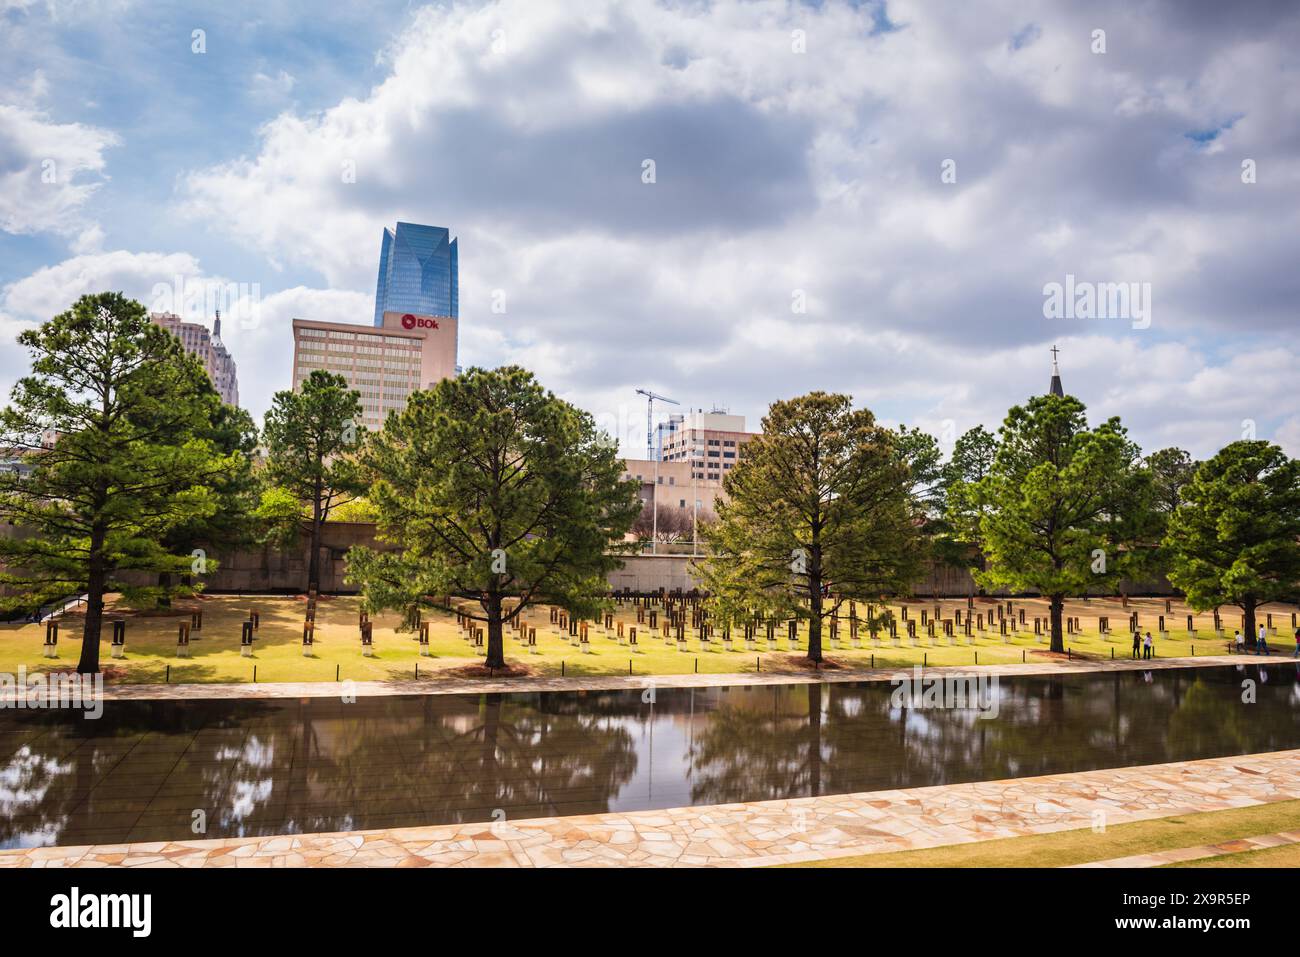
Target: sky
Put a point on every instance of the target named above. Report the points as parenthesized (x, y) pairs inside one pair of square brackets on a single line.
[(726, 203)]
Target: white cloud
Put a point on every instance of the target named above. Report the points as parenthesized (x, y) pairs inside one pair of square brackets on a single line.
[(523, 127), (256, 328), (48, 171), (272, 87), (52, 289)]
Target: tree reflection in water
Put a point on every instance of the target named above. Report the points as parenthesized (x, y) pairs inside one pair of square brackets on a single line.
[(317, 764)]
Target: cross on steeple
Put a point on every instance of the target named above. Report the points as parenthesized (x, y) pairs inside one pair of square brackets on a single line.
[(1055, 388)]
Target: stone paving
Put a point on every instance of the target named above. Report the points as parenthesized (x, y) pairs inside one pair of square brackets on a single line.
[(443, 685), (738, 835), (1180, 854)]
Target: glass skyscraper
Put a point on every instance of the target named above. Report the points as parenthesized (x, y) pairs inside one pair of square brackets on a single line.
[(417, 272)]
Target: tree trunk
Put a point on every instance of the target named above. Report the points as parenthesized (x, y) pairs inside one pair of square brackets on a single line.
[(1248, 605), (815, 625), (89, 663), (815, 604), (313, 560), (1057, 606), (165, 582), (496, 653)]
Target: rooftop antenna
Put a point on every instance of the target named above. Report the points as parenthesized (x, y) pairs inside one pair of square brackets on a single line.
[(649, 420)]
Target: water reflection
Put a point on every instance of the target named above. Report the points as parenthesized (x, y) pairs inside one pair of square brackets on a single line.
[(150, 770)]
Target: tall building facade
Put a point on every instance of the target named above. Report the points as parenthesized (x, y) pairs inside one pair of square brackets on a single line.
[(696, 449), (418, 273), (710, 442), (412, 343), (198, 341), (384, 365)]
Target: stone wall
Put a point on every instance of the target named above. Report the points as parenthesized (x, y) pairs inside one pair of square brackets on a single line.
[(644, 573), (269, 569)]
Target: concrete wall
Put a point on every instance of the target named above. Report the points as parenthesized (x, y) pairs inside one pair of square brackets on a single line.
[(644, 573), (285, 570), (269, 569)]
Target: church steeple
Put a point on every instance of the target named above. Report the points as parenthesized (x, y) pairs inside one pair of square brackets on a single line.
[(1055, 388)]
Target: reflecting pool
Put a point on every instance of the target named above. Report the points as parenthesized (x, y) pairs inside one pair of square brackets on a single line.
[(154, 770)]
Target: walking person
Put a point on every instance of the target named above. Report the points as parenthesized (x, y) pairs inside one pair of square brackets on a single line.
[(1240, 639), (1137, 642), (1147, 646), (1297, 644), (1263, 641)]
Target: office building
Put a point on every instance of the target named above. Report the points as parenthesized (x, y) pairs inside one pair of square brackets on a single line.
[(418, 273), (696, 450), (710, 441), (198, 341), (412, 343), (384, 365)]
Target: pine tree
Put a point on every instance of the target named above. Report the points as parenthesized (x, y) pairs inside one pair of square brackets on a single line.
[(1235, 537), (821, 501), (112, 433), (496, 491), (311, 437), (1059, 511)]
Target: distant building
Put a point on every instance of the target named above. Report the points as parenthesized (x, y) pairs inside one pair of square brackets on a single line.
[(710, 442), (384, 365), (412, 343), (418, 273), (696, 450), (224, 374), (210, 350)]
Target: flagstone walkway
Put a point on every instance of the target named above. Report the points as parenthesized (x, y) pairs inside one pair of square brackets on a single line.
[(738, 835), (444, 685), (1179, 855)]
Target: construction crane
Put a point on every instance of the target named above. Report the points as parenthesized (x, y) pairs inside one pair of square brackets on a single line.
[(649, 420)]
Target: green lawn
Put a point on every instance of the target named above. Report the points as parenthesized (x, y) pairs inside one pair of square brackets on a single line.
[(1287, 856), (1081, 846), (151, 645)]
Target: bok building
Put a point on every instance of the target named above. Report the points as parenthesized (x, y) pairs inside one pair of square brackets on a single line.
[(412, 343)]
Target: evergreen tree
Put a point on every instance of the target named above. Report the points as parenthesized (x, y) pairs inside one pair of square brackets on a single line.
[(113, 426), (1057, 511), (496, 491), (1234, 539), (311, 438), (232, 523), (822, 500)]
